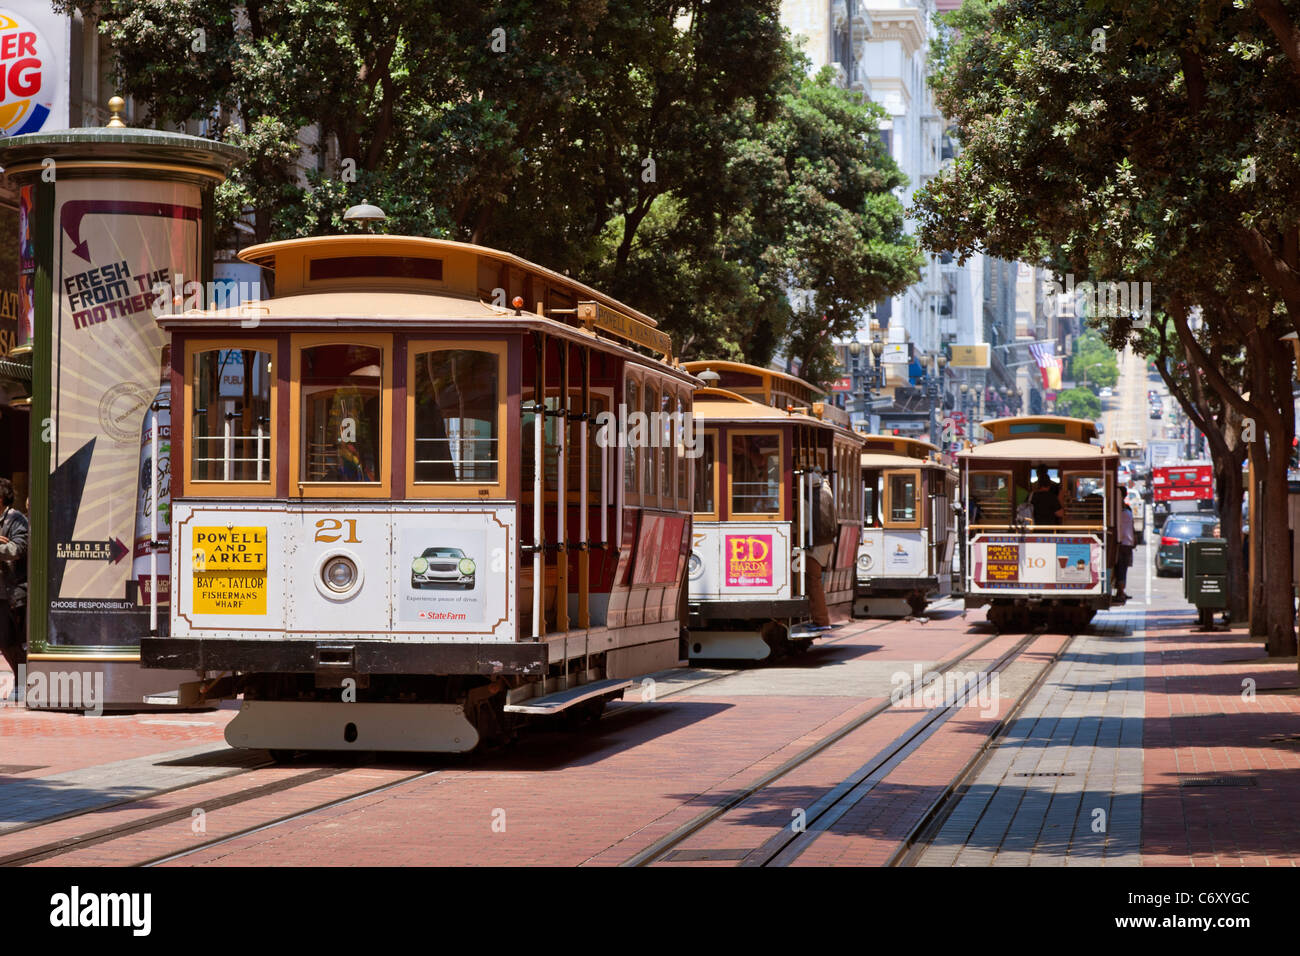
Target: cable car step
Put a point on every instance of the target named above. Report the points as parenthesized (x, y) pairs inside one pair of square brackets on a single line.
[(808, 632), (564, 699)]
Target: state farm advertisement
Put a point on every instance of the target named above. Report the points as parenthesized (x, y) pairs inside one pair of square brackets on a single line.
[(114, 242), (748, 559)]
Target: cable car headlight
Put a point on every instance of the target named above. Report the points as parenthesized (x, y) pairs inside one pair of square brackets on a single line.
[(466, 566), (420, 565), (339, 574), (695, 566), (865, 562)]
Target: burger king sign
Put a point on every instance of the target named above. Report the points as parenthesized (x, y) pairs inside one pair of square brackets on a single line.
[(30, 76)]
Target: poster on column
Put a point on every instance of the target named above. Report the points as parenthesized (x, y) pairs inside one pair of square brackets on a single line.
[(114, 242)]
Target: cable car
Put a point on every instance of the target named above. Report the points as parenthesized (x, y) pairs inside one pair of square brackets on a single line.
[(908, 536), (776, 483), (1041, 510), (405, 515)]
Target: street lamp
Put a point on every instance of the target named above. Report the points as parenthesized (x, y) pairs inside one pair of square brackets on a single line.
[(964, 388), (933, 381), (870, 377)]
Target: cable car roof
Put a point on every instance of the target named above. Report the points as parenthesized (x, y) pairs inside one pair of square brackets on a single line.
[(720, 405), (900, 445), (1041, 426), (1039, 450), (291, 260), (878, 460), (766, 379)]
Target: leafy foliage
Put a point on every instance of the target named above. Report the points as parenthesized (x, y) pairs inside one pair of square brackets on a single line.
[(1078, 403), (671, 151), (1094, 361)]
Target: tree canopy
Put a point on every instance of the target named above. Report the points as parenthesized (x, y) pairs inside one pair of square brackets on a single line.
[(1148, 142), (673, 152)]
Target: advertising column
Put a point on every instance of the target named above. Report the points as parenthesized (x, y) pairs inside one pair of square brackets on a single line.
[(110, 215)]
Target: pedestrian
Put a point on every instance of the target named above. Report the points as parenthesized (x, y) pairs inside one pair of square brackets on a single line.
[(1046, 503), (1124, 557), (824, 527), (13, 581)]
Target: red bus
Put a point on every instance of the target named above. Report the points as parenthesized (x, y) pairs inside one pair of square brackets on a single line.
[(1191, 481)]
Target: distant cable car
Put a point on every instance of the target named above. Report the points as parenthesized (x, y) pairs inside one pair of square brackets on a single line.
[(776, 484), (908, 535), (1040, 508)]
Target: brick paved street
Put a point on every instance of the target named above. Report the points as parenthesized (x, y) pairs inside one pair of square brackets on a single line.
[(1091, 772)]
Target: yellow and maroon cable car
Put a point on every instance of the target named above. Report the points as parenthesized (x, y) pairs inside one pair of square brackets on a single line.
[(1041, 511), (776, 483), (404, 513), (908, 535)]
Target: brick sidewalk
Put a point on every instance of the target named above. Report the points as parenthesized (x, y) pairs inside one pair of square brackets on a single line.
[(1203, 720)]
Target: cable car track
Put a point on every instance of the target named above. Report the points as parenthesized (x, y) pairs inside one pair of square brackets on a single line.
[(660, 849), (70, 844)]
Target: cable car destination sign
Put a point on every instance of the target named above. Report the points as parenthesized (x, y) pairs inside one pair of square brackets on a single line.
[(595, 315)]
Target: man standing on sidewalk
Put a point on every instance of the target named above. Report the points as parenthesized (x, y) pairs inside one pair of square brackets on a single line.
[(13, 581), (1124, 559)]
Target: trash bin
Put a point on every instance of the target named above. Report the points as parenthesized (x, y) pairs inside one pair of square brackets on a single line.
[(1205, 576)]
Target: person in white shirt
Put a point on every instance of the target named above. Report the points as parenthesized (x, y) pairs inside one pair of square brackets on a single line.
[(1124, 559)]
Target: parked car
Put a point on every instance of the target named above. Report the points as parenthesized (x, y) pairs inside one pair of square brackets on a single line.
[(1178, 529), (1105, 393)]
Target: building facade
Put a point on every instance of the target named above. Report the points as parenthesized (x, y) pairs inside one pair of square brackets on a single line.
[(887, 45)]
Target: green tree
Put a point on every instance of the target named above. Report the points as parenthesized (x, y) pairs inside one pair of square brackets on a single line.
[(1078, 403), (1093, 363), (1149, 142), (671, 151)]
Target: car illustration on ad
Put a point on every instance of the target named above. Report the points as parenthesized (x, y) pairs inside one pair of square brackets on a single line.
[(443, 568)]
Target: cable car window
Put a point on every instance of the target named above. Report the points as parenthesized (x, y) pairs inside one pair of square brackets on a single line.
[(681, 438), (650, 454), (629, 452), (706, 502), (230, 433), (1083, 497), (990, 497), (597, 405), (755, 474), (341, 415), (667, 466), (871, 500), (456, 394), (902, 497), (550, 447), (376, 267)]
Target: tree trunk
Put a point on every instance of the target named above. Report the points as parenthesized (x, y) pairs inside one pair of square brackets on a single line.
[(1231, 494), (1274, 603)]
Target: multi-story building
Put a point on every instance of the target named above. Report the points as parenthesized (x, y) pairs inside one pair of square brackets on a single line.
[(887, 44)]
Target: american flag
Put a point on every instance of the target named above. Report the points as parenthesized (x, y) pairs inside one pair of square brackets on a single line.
[(1043, 353)]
